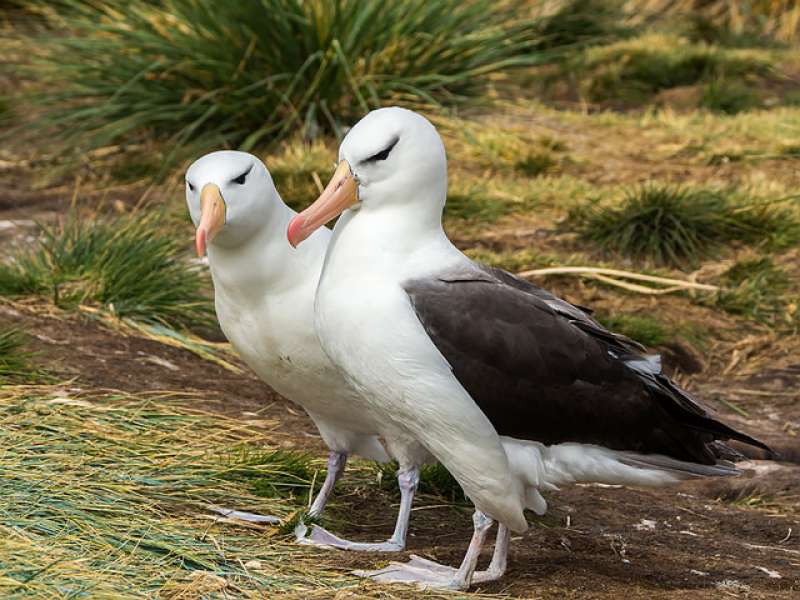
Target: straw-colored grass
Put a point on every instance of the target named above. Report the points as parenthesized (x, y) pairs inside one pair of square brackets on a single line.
[(15, 361), (109, 497)]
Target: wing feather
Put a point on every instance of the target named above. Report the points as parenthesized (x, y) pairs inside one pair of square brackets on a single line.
[(543, 369)]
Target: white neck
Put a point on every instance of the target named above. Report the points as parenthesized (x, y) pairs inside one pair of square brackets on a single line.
[(266, 261), (388, 241)]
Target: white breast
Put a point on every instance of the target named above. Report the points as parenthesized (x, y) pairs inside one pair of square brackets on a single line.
[(369, 329), (272, 329)]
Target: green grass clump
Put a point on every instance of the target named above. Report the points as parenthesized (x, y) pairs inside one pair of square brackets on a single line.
[(535, 164), (15, 361), (476, 205), (756, 288), (729, 97), (680, 226), (434, 480), (134, 168), (270, 473), (790, 151), (792, 98), (129, 266), (634, 71), (584, 22), (239, 73), (643, 329)]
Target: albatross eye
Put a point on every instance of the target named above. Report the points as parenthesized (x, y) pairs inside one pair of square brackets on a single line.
[(241, 178), (191, 187), (383, 154)]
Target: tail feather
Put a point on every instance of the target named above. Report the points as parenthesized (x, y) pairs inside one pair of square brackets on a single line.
[(682, 469), (686, 409)]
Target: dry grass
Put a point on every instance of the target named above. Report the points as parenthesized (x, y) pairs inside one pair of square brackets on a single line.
[(109, 496)]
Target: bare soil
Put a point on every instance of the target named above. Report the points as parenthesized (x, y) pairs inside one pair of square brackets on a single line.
[(713, 539)]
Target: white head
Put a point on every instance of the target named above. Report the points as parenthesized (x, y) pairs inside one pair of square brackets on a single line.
[(391, 157), (230, 197)]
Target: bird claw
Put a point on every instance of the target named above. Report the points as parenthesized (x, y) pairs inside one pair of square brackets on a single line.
[(244, 516), (426, 574), (325, 539)]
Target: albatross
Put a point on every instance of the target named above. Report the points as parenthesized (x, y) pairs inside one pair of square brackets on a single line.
[(511, 388), (264, 299)]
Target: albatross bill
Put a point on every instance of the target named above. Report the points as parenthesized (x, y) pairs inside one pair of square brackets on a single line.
[(340, 194), (212, 216)]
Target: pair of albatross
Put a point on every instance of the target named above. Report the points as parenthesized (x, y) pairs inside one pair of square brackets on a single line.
[(512, 389)]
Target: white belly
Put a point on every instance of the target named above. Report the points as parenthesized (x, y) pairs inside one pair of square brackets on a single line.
[(277, 340), (368, 328)]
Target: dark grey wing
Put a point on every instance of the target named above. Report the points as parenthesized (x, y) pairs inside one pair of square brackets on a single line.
[(542, 369)]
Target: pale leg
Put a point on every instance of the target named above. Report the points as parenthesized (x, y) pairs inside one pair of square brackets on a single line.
[(408, 481), (428, 574), (336, 463), (497, 567)]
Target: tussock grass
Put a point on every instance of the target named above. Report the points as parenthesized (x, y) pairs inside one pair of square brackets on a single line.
[(240, 73), (646, 330), (134, 168), (732, 21), (535, 164), (729, 96), (15, 361), (759, 289), (129, 266), (680, 226), (584, 22), (633, 71), (434, 480)]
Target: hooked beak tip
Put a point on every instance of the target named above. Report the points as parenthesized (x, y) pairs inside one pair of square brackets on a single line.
[(294, 232)]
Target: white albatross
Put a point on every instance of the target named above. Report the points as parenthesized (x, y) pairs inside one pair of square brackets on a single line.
[(512, 389), (264, 299)]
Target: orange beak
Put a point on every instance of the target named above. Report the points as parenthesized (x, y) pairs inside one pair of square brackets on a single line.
[(341, 193), (212, 217)]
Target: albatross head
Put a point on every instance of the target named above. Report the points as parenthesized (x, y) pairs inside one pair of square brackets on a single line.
[(392, 156), (230, 195)]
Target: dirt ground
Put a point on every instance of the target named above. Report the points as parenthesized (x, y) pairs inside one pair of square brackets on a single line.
[(736, 538)]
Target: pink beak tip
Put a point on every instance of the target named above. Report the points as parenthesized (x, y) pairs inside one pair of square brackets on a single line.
[(294, 231)]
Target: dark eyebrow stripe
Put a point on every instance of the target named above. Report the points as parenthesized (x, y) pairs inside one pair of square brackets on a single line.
[(385, 151), (243, 175)]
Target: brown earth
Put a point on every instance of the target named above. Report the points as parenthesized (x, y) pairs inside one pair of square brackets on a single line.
[(714, 539)]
